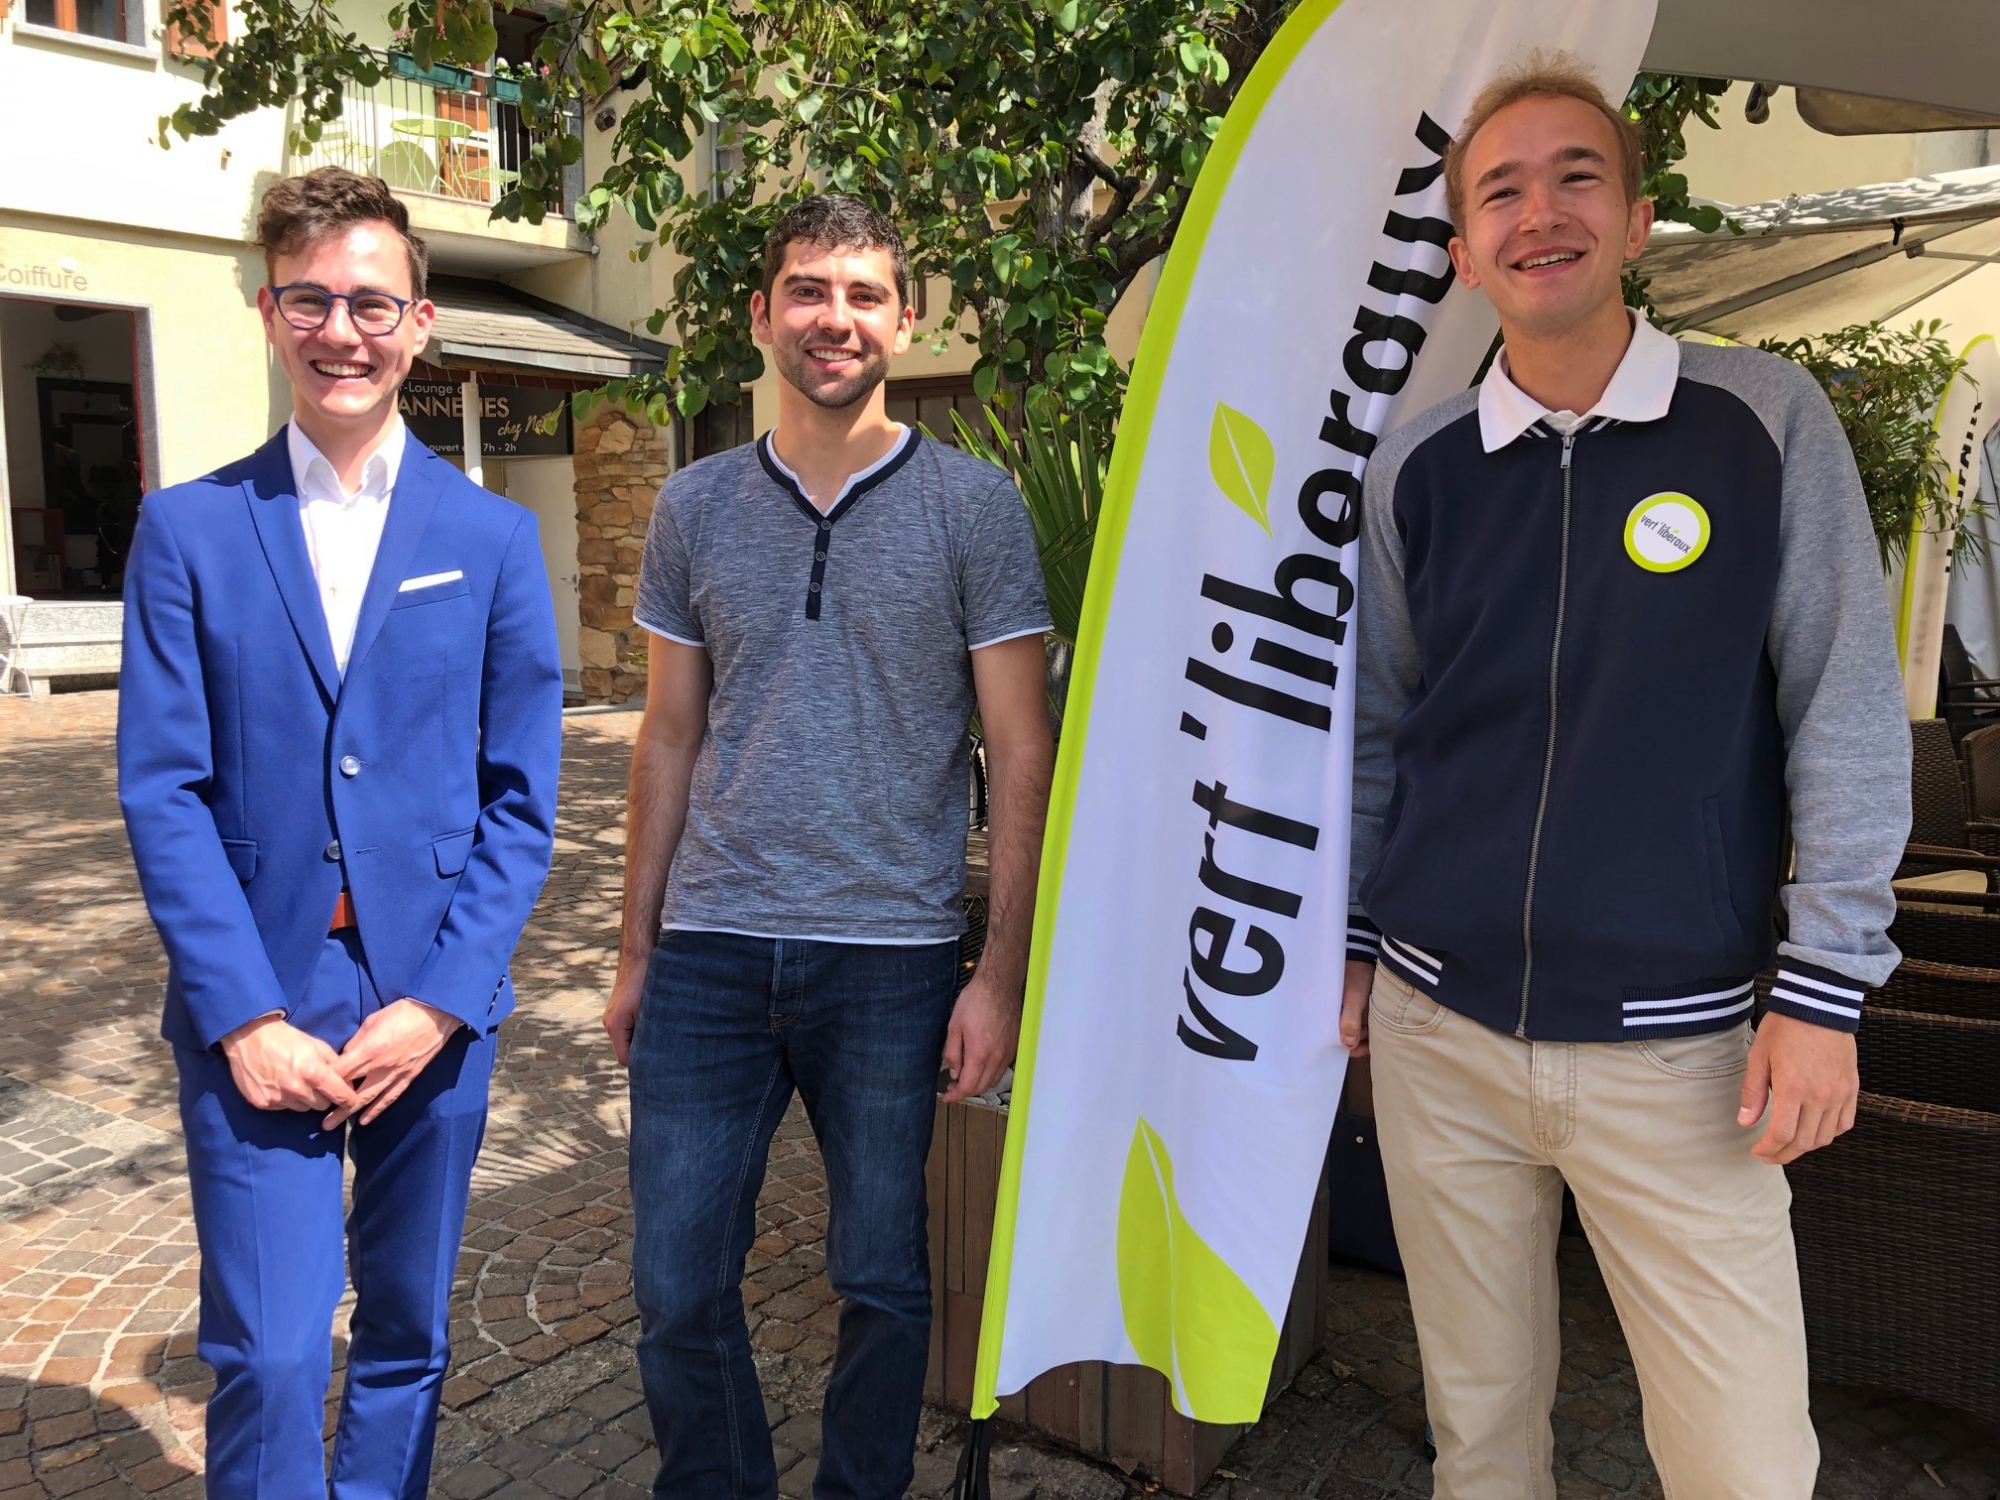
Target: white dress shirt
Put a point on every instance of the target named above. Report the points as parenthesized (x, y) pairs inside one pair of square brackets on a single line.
[(343, 531), (1641, 389)]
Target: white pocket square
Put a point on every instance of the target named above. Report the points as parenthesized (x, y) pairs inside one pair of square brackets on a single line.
[(430, 579)]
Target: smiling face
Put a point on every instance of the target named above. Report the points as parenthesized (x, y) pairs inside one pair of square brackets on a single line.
[(1547, 228), (833, 321), (343, 378)]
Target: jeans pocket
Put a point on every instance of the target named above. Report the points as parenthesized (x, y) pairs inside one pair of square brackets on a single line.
[(1712, 1054), (1401, 1006)]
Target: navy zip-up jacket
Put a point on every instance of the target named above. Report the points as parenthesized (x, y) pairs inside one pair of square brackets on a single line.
[(1597, 672)]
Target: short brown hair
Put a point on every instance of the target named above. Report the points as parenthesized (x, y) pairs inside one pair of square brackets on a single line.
[(298, 210), (1545, 75), (835, 221)]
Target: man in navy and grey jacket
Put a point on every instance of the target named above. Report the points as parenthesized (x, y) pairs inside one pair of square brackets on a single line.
[(1622, 625)]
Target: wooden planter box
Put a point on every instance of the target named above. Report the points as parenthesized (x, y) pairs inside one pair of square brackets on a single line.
[(1118, 1412)]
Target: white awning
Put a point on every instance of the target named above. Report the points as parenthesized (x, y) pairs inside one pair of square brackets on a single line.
[(1813, 263), (1944, 52), (482, 323)]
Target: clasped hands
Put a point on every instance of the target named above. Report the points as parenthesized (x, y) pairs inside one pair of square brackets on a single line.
[(277, 1066)]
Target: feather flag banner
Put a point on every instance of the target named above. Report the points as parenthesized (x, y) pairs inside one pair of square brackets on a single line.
[(1180, 1056)]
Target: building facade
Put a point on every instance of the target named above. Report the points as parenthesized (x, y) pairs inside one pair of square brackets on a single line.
[(132, 355)]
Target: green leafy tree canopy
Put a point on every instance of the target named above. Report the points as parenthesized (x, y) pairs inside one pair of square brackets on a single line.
[(1038, 153)]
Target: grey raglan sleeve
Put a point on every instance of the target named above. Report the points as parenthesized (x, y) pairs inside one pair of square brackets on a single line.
[(663, 602), (1000, 577), (1387, 671), (1847, 734)]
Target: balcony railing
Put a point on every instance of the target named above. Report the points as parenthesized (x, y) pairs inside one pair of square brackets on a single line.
[(448, 132)]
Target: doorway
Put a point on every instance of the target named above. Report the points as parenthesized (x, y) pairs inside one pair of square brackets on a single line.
[(547, 486), (70, 402)]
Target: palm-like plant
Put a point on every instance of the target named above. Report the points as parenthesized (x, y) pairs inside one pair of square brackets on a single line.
[(1060, 466)]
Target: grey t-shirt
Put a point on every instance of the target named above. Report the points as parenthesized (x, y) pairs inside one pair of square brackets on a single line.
[(829, 794)]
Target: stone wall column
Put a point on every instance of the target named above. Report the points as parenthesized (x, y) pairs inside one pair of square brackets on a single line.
[(621, 462)]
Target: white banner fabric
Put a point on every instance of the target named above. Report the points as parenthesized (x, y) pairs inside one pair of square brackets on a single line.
[(1920, 584), (1180, 1058)]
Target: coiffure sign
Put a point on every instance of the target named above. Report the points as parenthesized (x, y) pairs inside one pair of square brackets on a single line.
[(40, 276)]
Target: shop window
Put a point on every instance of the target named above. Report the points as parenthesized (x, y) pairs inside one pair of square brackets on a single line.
[(70, 401), (930, 402), (718, 427), (725, 159), (90, 475), (113, 20)]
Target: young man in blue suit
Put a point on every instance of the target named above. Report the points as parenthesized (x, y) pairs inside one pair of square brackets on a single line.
[(338, 733)]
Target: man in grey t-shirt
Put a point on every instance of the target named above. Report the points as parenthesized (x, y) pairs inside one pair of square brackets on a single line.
[(829, 605)]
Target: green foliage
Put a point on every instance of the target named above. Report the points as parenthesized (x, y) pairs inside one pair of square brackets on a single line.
[(1060, 466), (1885, 387), (1038, 153), (286, 51), (1660, 104)]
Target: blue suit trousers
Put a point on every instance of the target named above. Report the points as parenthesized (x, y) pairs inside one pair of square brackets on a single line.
[(267, 1207)]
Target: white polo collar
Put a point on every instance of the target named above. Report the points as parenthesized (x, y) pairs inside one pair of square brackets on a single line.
[(378, 471), (1641, 389)]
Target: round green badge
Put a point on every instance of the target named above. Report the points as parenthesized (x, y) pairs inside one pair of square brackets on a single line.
[(1666, 532)]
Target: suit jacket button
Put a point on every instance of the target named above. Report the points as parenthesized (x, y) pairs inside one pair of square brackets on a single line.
[(350, 765), (333, 852)]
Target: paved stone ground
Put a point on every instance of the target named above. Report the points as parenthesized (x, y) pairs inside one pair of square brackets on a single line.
[(100, 1392)]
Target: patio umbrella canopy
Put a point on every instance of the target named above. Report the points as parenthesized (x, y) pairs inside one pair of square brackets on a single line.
[(1938, 52), (1820, 261)]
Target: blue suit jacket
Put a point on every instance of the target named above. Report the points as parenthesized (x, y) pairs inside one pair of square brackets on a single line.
[(234, 728)]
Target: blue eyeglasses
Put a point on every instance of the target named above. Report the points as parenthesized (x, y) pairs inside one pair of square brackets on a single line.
[(307, 307)]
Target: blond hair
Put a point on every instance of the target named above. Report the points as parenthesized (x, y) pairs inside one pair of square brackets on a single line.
[(1545, 75)]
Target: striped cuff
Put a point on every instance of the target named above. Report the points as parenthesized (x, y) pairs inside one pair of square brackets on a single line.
[(1364, 939), (1806, 992), (1413, 965)]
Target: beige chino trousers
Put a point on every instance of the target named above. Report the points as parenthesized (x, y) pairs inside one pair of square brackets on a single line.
[(1479, 1131)]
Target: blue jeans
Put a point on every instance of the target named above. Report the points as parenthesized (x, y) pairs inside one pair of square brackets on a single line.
[(728, 1027)]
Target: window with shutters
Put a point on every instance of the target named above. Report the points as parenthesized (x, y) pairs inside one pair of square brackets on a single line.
[(207, 29), (719, 426), (930, 401), (725, 159), (110, 20)]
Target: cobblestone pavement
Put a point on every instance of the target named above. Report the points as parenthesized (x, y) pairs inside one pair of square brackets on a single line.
[(100, 1392)]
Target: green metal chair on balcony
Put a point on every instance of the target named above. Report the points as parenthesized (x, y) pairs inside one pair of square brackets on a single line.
[(409, 166)]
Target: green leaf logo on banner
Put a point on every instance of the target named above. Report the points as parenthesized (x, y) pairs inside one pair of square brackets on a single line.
[(1241, 459), (1187, 1314)]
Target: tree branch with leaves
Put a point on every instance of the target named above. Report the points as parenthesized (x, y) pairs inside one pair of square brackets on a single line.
[(1038, 153)]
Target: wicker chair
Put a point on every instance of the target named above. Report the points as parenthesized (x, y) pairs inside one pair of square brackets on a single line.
[(1940, 807), (1898, 1232), (1966, 699), (1940, 990), (1979, 756), (1949, 850), (1953, 1061), (1940, 934)]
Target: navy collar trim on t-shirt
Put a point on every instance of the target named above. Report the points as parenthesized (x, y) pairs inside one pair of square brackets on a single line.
[(857, 486)]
